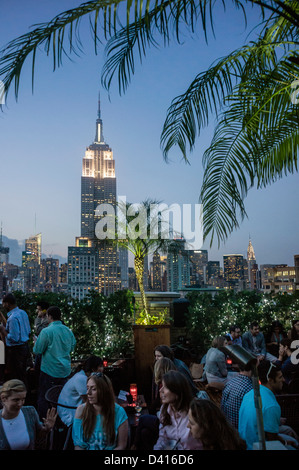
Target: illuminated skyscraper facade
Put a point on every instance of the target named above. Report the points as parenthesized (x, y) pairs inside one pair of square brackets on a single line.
[(98, 186), (233, 269), (252, 268)]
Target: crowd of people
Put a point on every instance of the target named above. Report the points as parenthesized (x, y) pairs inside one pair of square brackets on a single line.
[(283, 345), (180, 416)]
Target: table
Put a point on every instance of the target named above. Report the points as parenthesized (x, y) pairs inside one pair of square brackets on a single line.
[(132, 418)]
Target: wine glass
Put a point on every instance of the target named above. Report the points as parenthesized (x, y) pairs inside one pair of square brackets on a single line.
[(138, 407)]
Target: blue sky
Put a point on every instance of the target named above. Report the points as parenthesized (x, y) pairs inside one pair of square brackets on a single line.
[(44, 135)]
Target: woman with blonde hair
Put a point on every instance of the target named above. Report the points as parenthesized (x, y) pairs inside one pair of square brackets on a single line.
[(20, 425), (100, 423), (215, 367)]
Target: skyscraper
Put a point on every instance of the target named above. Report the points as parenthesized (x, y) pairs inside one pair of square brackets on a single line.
[(198, 265), (252, 267), (233, 269), (33, 250), (98, 186), (4, 254), (178, 267)]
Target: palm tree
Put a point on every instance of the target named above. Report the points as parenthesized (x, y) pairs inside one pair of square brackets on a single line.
[(249, 91), (141, 231)]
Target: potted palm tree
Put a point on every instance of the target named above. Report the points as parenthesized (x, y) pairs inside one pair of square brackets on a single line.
[(145, 233)]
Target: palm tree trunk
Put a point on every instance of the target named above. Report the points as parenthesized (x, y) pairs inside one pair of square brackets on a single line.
[(139, 269)]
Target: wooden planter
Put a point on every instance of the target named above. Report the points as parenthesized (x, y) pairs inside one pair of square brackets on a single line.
[(146, 338)]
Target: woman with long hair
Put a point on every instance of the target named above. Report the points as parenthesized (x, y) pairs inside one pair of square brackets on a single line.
[(209, 426), (100, 423), (147, 431), (176, 396), (293, 333), (162, 350)]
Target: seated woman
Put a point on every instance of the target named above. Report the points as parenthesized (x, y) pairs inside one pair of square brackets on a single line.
[(209, 426), (20, 425), (147, 431), (288, 367), (161, 366), (74, 391), (293, 333), (165, 351), (100, 423), (176, 396), (274, 337), (215, 367)]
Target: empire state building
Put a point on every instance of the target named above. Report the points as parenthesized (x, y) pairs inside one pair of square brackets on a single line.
[(93, 264), (98, 182)]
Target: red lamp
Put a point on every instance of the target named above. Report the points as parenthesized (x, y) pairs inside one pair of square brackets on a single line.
[(133, 391)]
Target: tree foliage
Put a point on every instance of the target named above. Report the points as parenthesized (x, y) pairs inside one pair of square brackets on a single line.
[(101, 324), (210, 316)]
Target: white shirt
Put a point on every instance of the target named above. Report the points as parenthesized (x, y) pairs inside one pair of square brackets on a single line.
[(71, 395), (16, 432)]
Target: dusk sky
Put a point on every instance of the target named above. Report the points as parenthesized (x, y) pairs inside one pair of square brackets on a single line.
[(44, 135)]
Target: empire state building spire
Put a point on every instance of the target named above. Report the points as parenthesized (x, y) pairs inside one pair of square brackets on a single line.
[(99, 138)]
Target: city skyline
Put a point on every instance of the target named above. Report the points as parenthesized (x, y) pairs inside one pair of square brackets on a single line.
[(44, 135)]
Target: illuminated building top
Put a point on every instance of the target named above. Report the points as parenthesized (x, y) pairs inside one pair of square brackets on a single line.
[(250, 252), (98, 160)]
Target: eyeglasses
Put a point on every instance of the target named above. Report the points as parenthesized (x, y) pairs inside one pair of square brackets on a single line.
[(270, 368), (98, 374)]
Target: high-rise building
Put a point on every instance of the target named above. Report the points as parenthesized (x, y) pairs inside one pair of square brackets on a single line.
[(4, 263), (157, 272), (31, 263), (83, 268), (213, 269), (98, 187), (198, 266), (4, 254), (296, 264), (280, 278), (252, 268), (49, 273), (33, 250), (233, 269), (178, 267)]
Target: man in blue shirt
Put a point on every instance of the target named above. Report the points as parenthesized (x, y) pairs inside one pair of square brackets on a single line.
[(16, 334), (272, 380), (55, 344), (235, 334)]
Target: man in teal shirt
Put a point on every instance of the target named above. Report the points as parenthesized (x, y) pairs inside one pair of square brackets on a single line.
[(55, 344), (271, 380)]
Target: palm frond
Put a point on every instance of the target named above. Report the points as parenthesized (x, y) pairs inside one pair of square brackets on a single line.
[(53, 35), (255, 142), (208, 94)]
